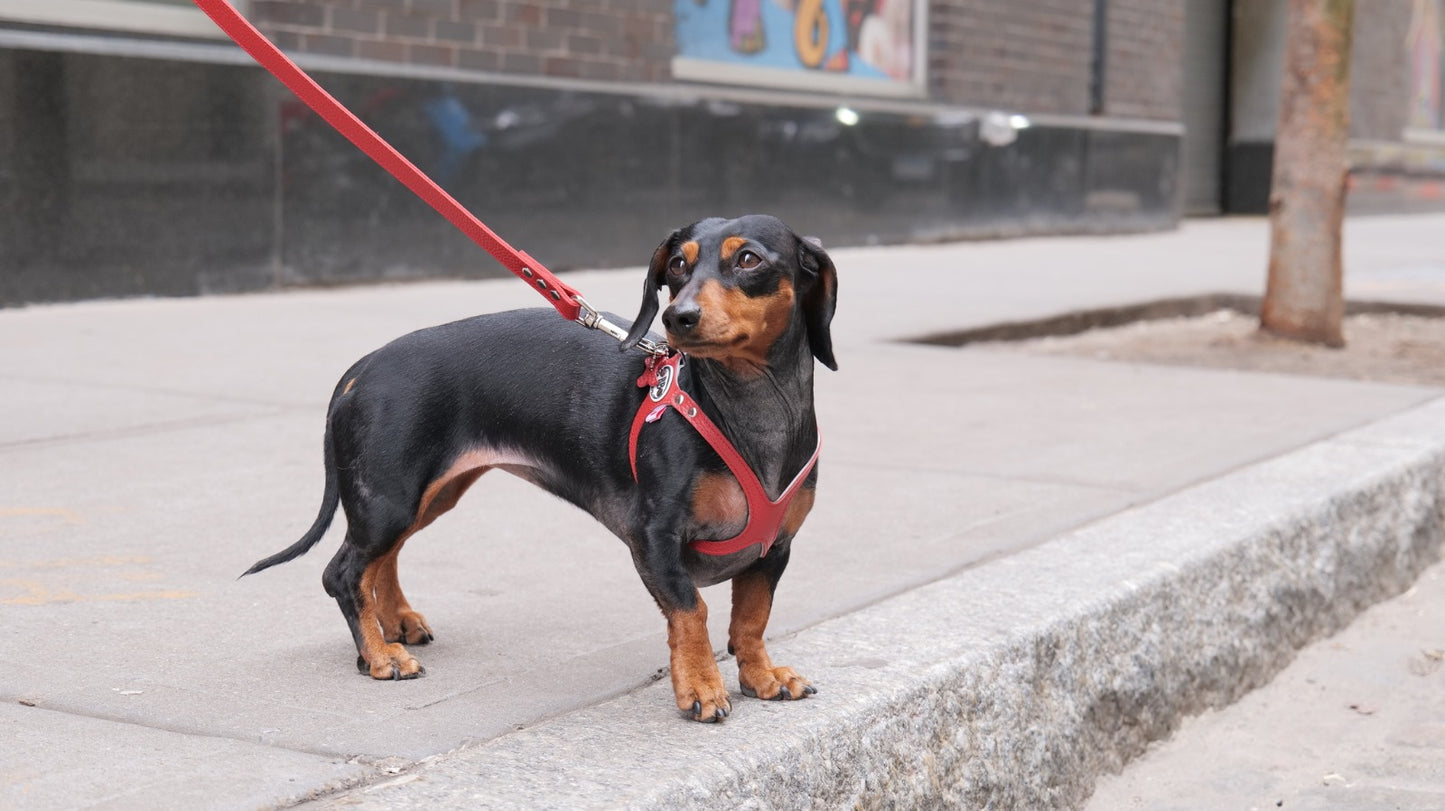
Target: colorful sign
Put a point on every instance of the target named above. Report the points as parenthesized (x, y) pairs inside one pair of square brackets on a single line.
[(858, 44)]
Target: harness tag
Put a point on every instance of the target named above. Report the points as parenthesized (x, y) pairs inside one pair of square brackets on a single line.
[(659, 373), (665, 377), (656, 414)]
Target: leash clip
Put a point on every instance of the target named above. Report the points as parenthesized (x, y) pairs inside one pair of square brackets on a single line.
[(589, 317)]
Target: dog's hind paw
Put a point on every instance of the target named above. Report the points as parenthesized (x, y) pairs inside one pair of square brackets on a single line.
[(409, 627), (393, 664), (415, 630)]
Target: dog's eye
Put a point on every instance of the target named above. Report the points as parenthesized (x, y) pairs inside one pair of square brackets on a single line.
[(747, 260), (677, 266)]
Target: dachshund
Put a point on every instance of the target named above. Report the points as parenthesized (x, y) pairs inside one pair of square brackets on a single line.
[(413, 424)]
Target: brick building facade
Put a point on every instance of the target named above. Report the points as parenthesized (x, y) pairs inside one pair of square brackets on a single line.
[(141, 152), (1031, 56), (610, 40), (1145, 76)]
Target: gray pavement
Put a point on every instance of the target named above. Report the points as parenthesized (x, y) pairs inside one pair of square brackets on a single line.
[(150, 450)]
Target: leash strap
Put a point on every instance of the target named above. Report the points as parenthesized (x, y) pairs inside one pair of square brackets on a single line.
[(558, 294), (765, 516)]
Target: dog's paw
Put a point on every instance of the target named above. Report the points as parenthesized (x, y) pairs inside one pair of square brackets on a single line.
[(704, 699), (412, 629), (393, 663), (774, 684)]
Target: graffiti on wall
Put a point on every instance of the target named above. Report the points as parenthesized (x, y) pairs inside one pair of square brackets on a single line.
[(870, 40), (1427, 64)]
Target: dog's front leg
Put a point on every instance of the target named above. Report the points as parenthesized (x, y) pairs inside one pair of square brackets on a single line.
[(696, 681), (752, 605)]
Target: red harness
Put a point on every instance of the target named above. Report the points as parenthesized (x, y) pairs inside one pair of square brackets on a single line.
[(765, 516)]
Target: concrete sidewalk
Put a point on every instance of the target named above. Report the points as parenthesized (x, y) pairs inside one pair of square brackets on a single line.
[(1015, 576)]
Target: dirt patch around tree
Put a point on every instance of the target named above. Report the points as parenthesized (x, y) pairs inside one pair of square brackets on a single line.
[(1383, 342)]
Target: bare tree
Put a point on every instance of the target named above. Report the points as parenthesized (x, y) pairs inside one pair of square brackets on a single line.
[(1304, 298)]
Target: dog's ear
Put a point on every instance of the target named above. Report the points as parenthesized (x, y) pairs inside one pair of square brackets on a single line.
[(820, 298), (650, 287)]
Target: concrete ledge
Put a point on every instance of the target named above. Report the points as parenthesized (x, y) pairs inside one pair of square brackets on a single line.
[(1017, 683)]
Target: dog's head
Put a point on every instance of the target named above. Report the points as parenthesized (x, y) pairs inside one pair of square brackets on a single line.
[(737, 287)]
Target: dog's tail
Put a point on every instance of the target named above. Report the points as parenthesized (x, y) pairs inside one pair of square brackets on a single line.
[(329, 501)]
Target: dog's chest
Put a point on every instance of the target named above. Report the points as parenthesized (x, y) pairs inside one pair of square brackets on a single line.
[(719, 508)]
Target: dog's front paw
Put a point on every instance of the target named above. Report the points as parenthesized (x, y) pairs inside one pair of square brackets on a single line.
[(391, 663), (703, 697), (774, 684)]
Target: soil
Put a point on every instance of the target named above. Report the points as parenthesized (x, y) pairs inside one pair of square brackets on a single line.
[(1381, 347)]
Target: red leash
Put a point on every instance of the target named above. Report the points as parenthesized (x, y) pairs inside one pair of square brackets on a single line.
[(561, 296)]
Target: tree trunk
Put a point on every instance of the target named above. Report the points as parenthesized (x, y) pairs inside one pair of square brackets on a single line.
[(1304, 298)]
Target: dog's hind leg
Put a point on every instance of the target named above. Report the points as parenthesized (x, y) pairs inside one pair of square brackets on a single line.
[(352, 580), (342, 580), (399, 621), (385, 660)]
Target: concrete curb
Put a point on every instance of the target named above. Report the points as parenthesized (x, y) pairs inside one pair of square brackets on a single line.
[(1018, 683)]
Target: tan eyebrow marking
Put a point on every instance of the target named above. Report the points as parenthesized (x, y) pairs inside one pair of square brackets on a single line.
[(730, 246), (690, 251)]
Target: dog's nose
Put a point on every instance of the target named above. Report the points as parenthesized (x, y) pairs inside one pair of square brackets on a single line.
[(681, 319)]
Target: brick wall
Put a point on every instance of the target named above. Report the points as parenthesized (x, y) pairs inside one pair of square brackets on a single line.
[(589, 39), (1144, 77), (1036, 56), (1030, 56)]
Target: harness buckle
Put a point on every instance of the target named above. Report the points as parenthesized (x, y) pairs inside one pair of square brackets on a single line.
[(589, 317)]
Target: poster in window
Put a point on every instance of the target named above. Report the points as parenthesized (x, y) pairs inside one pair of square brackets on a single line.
[(854, 45)]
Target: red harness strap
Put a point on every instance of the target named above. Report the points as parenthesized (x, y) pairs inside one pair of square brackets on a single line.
[(765, 516), (558, 294)]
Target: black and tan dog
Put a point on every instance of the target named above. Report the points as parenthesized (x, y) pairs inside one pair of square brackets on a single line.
[(412, 425)]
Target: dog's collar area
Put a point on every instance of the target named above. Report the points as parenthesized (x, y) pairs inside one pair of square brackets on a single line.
[(765, 516), (591, 318)]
